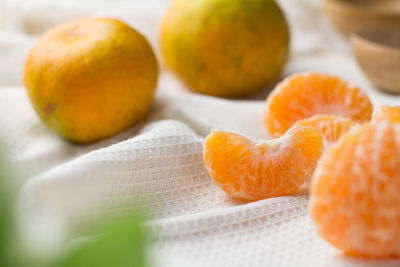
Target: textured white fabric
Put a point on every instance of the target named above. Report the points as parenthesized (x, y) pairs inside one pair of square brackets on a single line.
[(160, 160)]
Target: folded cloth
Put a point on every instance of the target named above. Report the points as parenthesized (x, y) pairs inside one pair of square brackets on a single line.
[(158, 163)]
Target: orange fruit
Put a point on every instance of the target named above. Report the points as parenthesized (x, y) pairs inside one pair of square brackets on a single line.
[(91, 78), (258, 170), (390, 113), (304, 95), (355, 192), (225, 48), (331, 127)]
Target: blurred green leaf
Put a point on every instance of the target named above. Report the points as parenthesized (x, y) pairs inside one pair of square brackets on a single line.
[(123, 244), (12, 252), (6, 212)]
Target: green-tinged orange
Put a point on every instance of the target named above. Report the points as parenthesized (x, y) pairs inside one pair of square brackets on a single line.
[(226, 48), (91, 78)]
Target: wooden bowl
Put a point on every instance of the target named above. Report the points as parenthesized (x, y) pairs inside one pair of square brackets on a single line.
[(378, 54), (351, 15)]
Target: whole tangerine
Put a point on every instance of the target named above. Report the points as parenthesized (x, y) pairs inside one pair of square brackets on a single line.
[(225, 48), (91, 78)]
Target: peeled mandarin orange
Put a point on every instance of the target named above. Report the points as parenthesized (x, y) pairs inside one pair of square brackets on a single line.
[(304, 95), (355, 192), (390, 113), (331, 127), (258, 170)]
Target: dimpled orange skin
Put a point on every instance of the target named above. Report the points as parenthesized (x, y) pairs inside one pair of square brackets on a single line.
[(257, 170), (225, 48), (355, 192), (91, 78), (331, 127), (304, 95), (390, 113)]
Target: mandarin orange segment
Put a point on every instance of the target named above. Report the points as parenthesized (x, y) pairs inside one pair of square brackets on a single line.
[(390, 113), (304, 95), (258, 170), (355, 192), (331, 127)]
